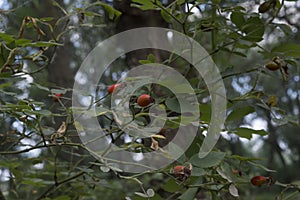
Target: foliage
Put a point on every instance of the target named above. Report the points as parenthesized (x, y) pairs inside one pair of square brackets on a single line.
[(41, 159)]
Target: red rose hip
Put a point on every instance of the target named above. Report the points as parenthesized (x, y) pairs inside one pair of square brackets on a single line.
[(181, 172), (179, 169), (259, 180), (57, 96), (112, 88), (144, 100)]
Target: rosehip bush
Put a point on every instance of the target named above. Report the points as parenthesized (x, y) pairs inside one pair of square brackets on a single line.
[(255, 45)]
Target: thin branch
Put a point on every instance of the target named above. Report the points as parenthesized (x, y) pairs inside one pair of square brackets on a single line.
[(45, 194), (40, 147)]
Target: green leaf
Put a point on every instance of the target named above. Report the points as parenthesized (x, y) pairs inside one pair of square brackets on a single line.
[(172, 186), (238, 18), (292, 62), (181, 88), (89, 14), (254, 29), (150, 59), (239, 113), (233, 52), (286, 119), (85, 170), (175, 122), (78, 126), (37, 182), (47, 19), (249, 25), (241, 158), (247, 132), (144, 4), (288, 49), (38, 112), (261, 167), (5, 85), (166, 16), (173, 104), (113, 14), (223, 174), (44, 112), (191, 192), (40, 44), (205, 112), (9, 75), (35, 161), (6, 38), (245, 45), (63, 197), (22, 41), (198, 171), (212, 159), (171, 123), (40, 86), (18, 174), (285, 28), (14, 107), (11, 164), (179, 2)]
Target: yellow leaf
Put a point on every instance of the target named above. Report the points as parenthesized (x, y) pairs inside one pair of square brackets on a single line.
[(158, 136), (154, 144), (271, 101)]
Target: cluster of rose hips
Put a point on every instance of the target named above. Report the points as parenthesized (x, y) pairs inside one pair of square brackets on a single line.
[(180, 172), (143, 100)]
